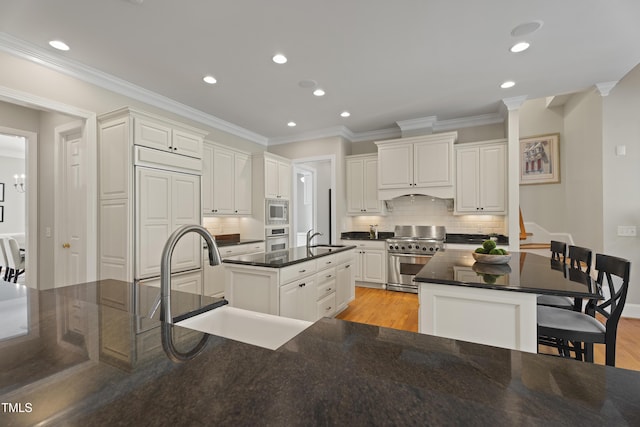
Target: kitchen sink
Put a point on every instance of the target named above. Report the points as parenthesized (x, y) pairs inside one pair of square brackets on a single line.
[(251, 327)]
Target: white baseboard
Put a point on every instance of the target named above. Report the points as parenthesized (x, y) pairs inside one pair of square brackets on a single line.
[(631, 310)]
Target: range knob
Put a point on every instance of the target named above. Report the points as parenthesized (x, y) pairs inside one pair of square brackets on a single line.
[(424, 248), (402, 247), (437, 249), (390, 246), (396, 247), (431, 249), (408, 246)]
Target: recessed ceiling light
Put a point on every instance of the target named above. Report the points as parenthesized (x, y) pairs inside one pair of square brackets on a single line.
[(58, 44), (291, 124), (345, 114), (519, 47), (210, 79), (279, 59), (318, 92), (507, 84)]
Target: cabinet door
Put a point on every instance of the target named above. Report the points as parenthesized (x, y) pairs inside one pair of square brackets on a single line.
[(370, 186), (432, 164), (357, 266), (345, 291), (467, 185), (270, 178), (355, 186), (374, 266), (290, 296), (284, 180), (185, 209), (151, 134), (493, 178), (395, 167), (223, 163), (153, 219), (242, 183), (186, 144), (207, 179)]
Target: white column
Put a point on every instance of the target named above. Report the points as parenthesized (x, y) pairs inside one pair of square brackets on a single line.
[(513, 170)]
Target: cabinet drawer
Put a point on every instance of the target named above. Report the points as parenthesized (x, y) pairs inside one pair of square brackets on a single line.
[(346, 256), (294, 272), (253, 248), (326, 275), (326, 288), (327, 261), (227, 251), (327, 306)]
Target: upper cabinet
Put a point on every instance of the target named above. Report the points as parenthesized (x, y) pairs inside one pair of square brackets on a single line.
[(226, 181), (481, 184), (277, 177), (362, 185), (154, 133), (422, 164)]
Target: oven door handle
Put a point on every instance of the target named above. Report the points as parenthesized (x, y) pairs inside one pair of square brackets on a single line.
[(412, 255)]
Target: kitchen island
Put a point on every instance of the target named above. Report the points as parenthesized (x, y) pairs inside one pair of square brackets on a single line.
[(300, 283), (333, 373), (492, 304)]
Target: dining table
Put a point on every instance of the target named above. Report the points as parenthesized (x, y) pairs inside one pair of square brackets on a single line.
[(493, 304)]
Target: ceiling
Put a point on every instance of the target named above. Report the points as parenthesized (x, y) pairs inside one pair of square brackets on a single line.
[(383, 61)]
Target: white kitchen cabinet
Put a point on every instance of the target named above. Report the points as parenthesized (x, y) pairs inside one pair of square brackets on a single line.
[(481, 184), (277, 177), (345, 282), (298, 299), (226, 178), (166, 201), (362, 185), (214, 275), (370, 263), (145, 192), (422, 164), (157, 133)]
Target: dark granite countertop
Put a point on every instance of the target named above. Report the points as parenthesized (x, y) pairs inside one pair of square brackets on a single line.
[(78, 359), (222, 243), (279, 259), (364, 235), (525, 272), (475, 239)]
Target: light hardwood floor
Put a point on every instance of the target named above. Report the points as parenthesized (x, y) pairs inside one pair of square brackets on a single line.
[(399, 310)]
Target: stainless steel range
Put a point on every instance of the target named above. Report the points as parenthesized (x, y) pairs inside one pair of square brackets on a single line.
[(411, 247)]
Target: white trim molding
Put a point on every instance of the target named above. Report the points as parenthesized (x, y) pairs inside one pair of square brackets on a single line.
[(631, 311), (606, 87)]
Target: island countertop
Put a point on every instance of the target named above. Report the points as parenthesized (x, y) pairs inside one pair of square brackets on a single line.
[(525, 272), (284, 258), (81, 360)]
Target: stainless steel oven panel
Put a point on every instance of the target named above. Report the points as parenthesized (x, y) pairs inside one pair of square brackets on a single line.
[(274, 244), (401, 270)]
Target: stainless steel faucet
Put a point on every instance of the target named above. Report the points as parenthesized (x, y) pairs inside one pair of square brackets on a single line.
[(311, 236), (165, 264)]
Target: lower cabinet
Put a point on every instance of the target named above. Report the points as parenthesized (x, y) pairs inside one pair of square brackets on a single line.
[(370, 264), (298, 299), (213, 285)]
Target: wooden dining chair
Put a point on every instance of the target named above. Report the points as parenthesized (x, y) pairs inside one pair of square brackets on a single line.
[(3, 259), (15, 259), (558, 254), (575, 332)]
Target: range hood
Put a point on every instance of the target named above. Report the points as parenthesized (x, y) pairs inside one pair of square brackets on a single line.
[(445, 192)]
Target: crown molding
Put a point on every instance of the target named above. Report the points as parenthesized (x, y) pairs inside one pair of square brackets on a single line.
[(605, 87), (467, 122), (421, 123), (332, 132), (515, 102), (99, 78)]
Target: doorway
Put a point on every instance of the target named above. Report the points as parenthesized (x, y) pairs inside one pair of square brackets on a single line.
[(313, 199)]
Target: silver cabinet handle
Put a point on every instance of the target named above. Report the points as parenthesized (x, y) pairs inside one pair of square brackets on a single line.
[(302, 271), (302, 285), (330, 275), (329, 308)]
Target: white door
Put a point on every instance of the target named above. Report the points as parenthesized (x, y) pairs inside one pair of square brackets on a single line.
[(355, 185), (185, 210), (242, 190), (223, 164), (71, 266)]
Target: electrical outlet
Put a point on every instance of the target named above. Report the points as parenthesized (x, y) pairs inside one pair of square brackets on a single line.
[(627, 230)]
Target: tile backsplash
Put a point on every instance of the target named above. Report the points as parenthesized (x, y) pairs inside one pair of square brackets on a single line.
[(222, 225), (424, 210)]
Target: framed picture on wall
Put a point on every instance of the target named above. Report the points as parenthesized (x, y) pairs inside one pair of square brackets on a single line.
[(540, 159), (1, 191), (1, 213)]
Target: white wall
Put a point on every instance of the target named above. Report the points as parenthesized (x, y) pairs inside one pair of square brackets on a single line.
[(621, 174), (14, 203)]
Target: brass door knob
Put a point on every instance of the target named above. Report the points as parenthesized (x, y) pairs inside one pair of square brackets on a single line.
[(66, 245)]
